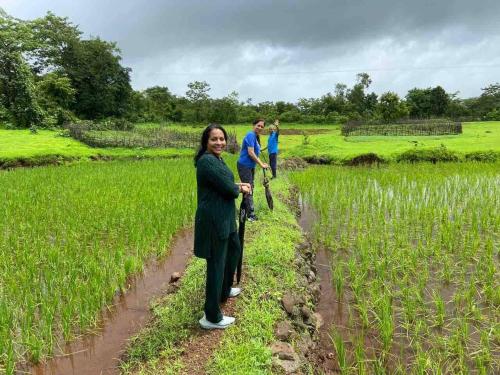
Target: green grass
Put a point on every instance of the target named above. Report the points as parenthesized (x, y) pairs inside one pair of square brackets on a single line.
[(268, 272), (21, 144), (477, 136), (416, 249), (71, 235)]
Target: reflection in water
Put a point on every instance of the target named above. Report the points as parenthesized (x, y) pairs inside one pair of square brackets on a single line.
[(100, 353)]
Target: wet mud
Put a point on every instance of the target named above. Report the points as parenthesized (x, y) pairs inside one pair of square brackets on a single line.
[(328, 305), (100, 352)]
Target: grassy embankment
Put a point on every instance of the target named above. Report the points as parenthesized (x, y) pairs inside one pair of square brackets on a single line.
[(327, 142), (69, 238), (415, 264), (268, 273), (479, 136), (21, 148)]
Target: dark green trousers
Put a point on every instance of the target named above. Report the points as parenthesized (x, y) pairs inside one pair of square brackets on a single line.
[(221, 267)]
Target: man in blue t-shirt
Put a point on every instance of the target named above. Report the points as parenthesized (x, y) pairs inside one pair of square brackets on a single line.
[(272, 146), (249, 157)]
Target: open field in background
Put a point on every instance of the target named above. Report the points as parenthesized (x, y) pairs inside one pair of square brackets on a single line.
[(318, 141), (477, 136), (22, 145), (70, 236), (415, 265)]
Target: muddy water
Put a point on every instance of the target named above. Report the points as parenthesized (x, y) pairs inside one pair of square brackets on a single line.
[(99, 353), (330, 309)]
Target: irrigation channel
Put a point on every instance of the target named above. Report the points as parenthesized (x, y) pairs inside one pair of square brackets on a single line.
[(100, 353), (321, 356)]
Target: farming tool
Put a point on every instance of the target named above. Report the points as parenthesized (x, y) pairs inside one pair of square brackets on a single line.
[(267, 189), (242, 218)]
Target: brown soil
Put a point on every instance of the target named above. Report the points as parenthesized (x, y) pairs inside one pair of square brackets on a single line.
[(99, 353), (328, 307), (202, 344)]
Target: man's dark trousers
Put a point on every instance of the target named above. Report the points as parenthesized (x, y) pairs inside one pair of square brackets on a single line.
[(273, 161), (221, 267)]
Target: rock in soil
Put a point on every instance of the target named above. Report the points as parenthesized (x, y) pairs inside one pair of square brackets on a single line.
[(317, 320), (284, 357), (306, 312), (288, 302), (283, 330), (282, 350), (305, 344), (287, 367), (175, 276)]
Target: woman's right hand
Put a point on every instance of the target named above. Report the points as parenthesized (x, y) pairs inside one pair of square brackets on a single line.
[(246, 188)]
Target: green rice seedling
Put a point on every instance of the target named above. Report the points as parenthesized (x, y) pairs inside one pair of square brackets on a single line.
[(362, 309), (338, 278), (385, 322), (409, 231), (359, 354), (439, 307), (341, 351), (70, 237)]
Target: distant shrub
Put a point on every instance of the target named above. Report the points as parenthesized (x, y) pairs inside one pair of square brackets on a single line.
[(433, 155), (364, 159), (493, 115), (483, 156), (34, 161), (319, 159)]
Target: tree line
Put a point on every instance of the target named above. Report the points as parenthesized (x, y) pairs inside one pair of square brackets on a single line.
[(51, 75)]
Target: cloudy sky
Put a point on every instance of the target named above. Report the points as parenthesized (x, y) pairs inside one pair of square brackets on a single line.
[(285, 50)]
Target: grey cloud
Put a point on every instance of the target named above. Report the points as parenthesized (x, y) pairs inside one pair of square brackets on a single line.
[(228, 42)]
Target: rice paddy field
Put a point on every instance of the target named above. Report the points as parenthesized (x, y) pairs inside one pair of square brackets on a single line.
[(415, 265), (70, 236), (415, 259)]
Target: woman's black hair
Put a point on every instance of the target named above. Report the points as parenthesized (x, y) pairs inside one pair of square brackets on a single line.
[(204, 140)]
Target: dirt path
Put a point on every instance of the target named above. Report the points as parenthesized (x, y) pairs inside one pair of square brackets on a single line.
[(100, 353), (202, 344)]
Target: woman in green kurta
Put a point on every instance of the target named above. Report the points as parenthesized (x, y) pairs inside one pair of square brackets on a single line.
[(215, 236)]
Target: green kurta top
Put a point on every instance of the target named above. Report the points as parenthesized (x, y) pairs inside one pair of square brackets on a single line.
[(216, 211)]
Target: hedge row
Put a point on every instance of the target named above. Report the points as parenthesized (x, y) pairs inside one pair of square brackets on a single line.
[(432, 155)]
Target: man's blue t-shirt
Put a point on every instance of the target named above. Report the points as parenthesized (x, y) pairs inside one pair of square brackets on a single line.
[(250, 140), (272, 143)]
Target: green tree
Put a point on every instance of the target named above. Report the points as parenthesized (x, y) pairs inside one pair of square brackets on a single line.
[(159, 104), (439, 101), (198, 96), (56, 95), (488, 101), (360, 104), (51, 36), (419, 102), (17, 87), (391, 108), (102, 84)]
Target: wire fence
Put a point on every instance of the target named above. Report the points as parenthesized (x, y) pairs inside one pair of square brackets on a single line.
[(143, 138), (401, 128)]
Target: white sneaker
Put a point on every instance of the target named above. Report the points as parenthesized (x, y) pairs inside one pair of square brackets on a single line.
[(234, 292), (224, 323)]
